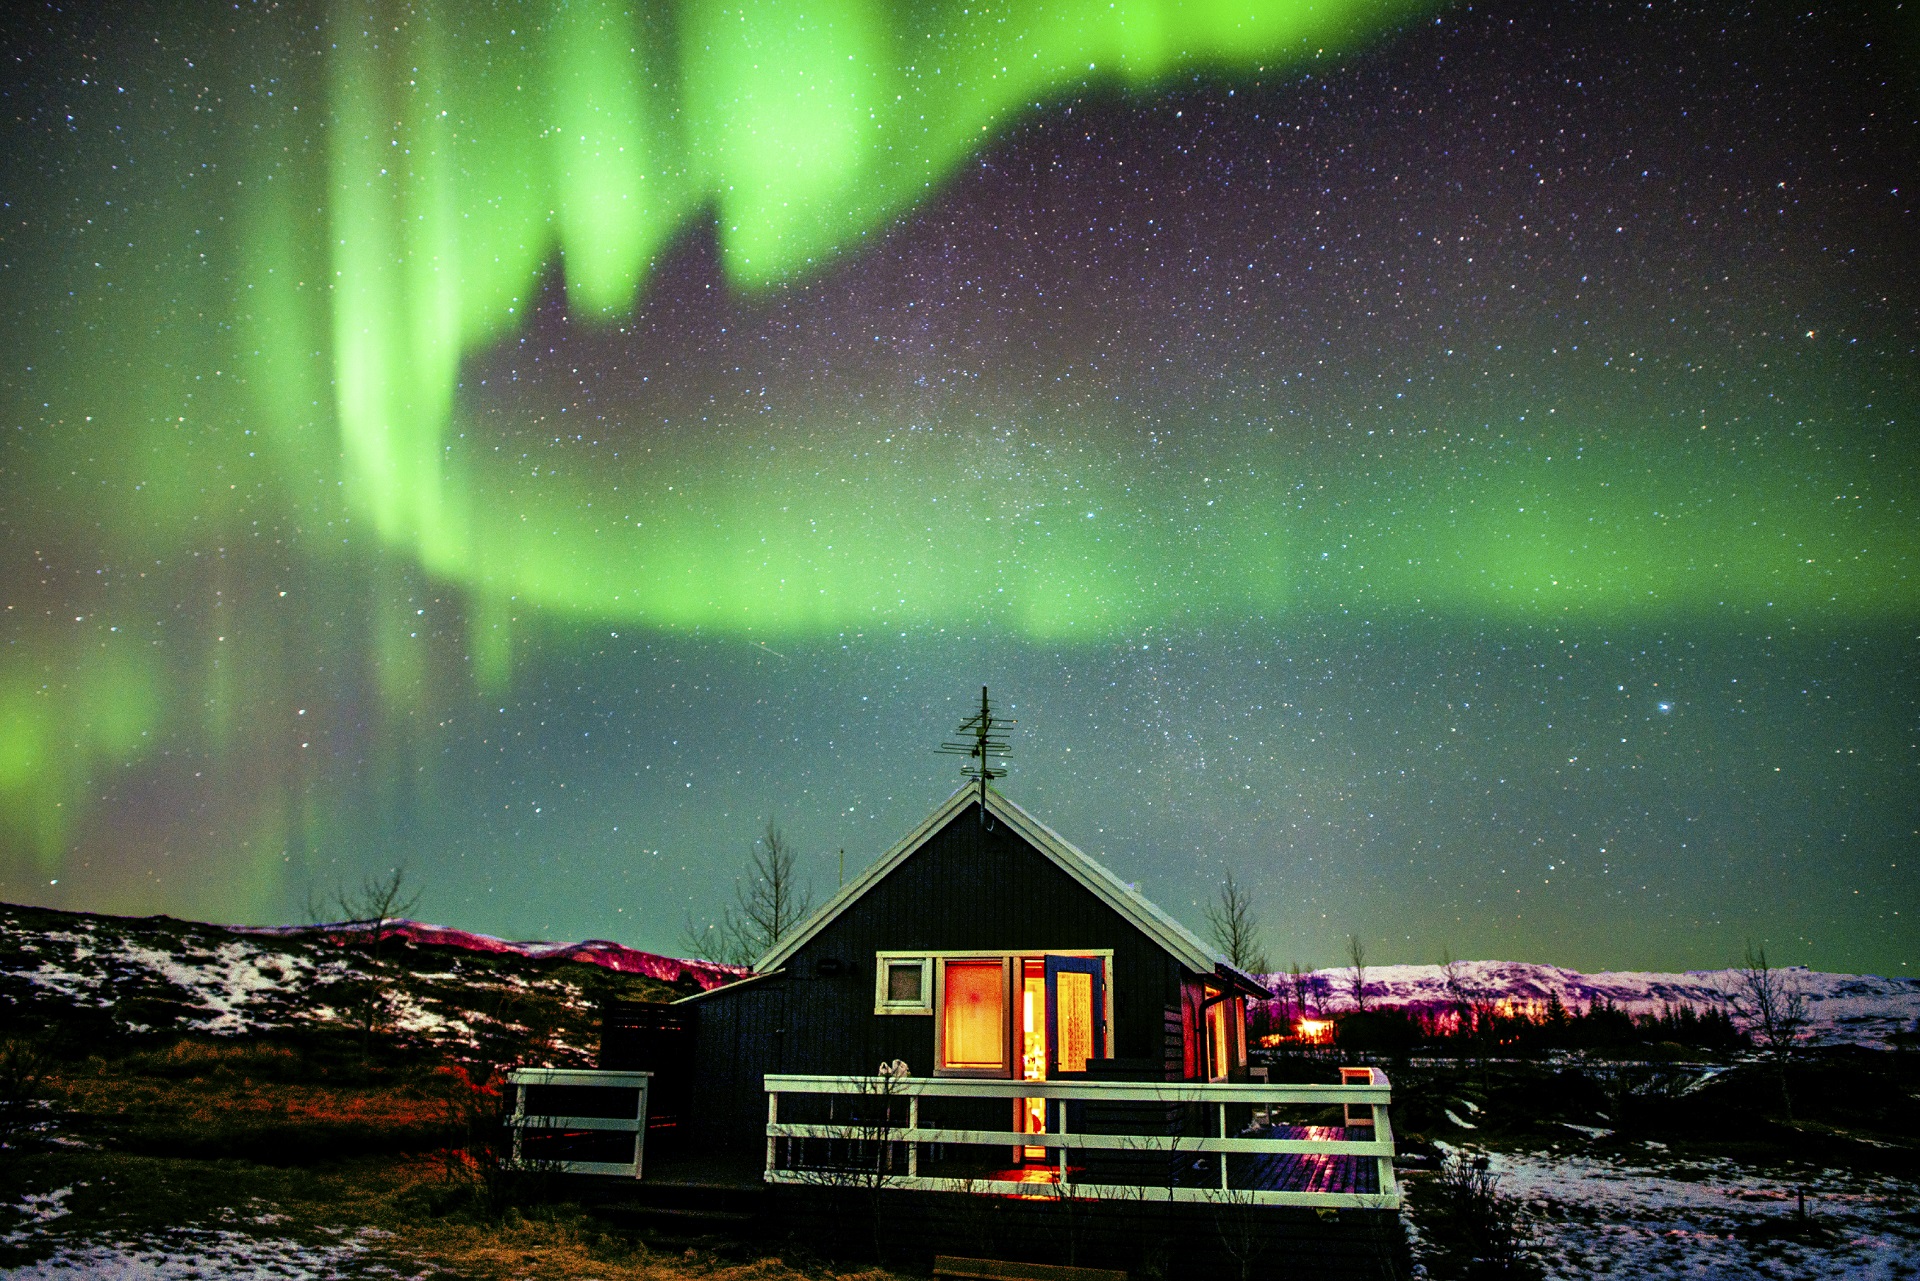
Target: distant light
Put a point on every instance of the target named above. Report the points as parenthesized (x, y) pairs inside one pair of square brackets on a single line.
[(1666, 707)]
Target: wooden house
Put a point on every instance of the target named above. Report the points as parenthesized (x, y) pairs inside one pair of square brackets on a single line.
[(982, 946), (988, 1043)]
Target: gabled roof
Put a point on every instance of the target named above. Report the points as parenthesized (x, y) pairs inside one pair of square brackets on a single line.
[(1178, 941)]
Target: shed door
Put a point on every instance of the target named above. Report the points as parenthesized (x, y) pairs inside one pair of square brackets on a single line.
[(1076, 1012)]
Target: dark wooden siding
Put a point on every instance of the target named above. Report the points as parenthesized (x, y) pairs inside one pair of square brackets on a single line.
[(968, 888)]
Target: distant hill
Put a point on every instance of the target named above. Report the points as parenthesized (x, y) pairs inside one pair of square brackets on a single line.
[(1854, 1009), (613, 956), (123, 977), (88, 978)]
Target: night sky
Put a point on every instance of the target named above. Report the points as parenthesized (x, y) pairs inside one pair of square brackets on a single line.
[(1454, 466)]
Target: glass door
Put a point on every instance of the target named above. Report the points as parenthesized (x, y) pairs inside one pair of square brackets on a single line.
[(1076, 1011)]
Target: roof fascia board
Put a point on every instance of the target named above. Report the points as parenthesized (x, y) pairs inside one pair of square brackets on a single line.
[(1110, 889), (726, 987)]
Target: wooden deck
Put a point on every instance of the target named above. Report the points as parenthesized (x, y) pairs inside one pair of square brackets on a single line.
[(1209, 1188)]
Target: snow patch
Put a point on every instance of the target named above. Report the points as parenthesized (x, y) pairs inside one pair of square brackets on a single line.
[(191, 1254)]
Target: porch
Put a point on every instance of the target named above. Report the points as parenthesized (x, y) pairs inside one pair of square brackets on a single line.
[(1324, 1147)]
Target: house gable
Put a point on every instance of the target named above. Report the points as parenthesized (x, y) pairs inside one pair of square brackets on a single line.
[(1091, 876)]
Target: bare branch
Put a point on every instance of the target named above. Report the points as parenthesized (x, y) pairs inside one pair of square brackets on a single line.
[(1774, 1006), (1235, 927), (1357, 971), (769, 904)]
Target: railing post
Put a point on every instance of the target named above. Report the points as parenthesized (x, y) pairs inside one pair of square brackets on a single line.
[(913, 1137), (1223, 1155), (1383, 1133), (1063, 1147), (519, 1114), (773, 1119)]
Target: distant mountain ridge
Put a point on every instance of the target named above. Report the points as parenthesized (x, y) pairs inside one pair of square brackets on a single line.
[(1859, 1009), (601, 952), (150, 975)]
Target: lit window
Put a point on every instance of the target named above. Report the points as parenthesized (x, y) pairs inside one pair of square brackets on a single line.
[(902, 984), (1219, 1047), (973, 1017)]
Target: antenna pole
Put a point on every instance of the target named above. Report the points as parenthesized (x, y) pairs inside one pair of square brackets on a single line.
[(981, 751), (986, 727)]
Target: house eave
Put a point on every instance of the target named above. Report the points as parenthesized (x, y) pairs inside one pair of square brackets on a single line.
[(736, 985)]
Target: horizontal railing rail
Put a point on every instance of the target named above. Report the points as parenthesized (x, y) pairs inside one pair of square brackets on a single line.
[(1365, 1100)]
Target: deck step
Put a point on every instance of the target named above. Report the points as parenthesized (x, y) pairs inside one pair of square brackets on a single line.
[(963, 1269), (688, 1214)]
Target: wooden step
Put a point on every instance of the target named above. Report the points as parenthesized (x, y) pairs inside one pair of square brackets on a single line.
[(947, 1265)]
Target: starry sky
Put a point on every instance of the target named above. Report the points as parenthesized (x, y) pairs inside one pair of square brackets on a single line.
[(1452, 465)]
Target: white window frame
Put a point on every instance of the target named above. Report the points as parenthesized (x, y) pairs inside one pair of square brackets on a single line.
[(883, 962), (1005, 1070), (1007, 959)]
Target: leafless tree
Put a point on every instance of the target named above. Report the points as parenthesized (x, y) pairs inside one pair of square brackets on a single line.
[(380, 902), (1357, 971), (1774, 1007), (769, 904), (859, 1167), (1235, 927), (1458, 987), (1300, 983)]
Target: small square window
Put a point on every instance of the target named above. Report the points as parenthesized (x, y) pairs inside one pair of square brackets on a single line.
[(902, 984), (904, 981)]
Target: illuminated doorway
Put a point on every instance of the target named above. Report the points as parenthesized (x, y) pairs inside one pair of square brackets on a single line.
[(1060, 1024)]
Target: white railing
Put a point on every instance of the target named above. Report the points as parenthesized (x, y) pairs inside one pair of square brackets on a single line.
[(523, 1121), (1365, 1096)]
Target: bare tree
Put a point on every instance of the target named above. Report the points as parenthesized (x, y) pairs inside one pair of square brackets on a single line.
[(767, 907), (378, 903), (1458, 987), (1235, 927), (1775, 1009), (1300, 980), (866, 1157), (1357, 972)]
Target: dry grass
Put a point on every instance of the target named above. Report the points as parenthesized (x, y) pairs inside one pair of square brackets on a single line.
[(227, 1114), (537, 1250)]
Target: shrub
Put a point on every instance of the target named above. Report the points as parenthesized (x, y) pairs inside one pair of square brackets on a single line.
[(1475, 1230), (22, 1085)]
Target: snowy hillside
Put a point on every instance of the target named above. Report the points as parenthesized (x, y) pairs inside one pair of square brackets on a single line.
[(1850, 1008), (601, 952), (91, 976)]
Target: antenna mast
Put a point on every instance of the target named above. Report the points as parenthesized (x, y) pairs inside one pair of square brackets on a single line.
[(983, 750)]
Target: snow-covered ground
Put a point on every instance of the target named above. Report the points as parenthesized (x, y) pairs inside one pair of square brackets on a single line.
[(186, 1253), (1647, 1216), (1858, 1008), (207, 1254)]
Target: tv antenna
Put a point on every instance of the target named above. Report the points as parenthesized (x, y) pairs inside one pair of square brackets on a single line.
[(984, 749)]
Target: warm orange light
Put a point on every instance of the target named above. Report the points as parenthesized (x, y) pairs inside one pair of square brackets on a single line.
[(1316, 1031)]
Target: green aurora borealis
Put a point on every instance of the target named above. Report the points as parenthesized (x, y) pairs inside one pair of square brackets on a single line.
[(405, 400)]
